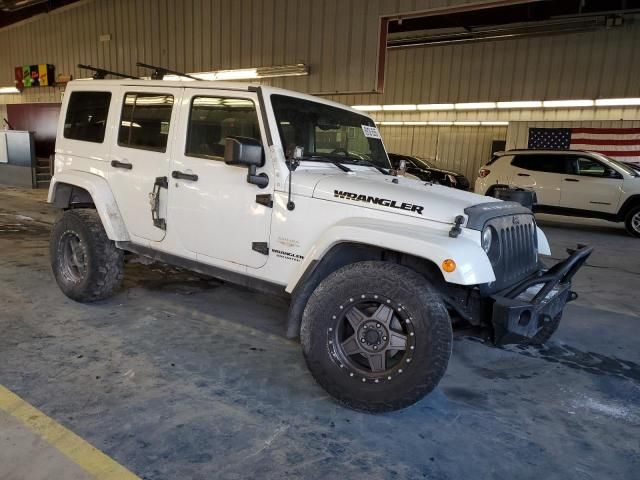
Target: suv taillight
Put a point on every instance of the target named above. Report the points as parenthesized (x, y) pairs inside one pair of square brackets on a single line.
[(484, 172)]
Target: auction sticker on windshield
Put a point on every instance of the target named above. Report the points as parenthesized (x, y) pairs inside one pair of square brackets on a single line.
[(371, 132)]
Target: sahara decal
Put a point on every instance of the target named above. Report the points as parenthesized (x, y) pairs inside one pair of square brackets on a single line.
[(378, 201), (287, 255)]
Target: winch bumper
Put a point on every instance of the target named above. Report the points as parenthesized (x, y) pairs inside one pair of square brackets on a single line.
[(521, 311)]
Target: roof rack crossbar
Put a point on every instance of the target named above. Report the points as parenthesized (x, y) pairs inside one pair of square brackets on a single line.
[(160, 72), (100, 73)]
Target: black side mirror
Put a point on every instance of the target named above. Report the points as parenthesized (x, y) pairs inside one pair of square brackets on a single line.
[(612, 174), (243, 151), (247, 152)]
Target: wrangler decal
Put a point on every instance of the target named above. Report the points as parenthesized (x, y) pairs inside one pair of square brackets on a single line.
[(378, 201)]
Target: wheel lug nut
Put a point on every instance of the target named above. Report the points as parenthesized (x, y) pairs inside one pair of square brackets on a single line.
[(384, 338), (362, 340), (375, 347), (377, 325)]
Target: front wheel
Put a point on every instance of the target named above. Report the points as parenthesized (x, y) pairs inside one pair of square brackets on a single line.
[(376, 336), (632, 222)]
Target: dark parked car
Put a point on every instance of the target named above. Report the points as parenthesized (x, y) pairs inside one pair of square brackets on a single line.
[(425, 170)]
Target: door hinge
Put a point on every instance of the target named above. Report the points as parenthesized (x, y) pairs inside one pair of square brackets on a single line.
[(260, 247), (265, 199), (154, 200)]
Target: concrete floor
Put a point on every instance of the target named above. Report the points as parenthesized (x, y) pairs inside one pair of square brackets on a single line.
[(180, 377)]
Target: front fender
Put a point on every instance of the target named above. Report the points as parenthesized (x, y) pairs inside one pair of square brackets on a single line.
[(102, 196), (473, 266)]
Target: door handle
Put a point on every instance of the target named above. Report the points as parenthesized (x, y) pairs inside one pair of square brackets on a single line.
[(571, 180), (184, 176), (524, 175), (117, 164)]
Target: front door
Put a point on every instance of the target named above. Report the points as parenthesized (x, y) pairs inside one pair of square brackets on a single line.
[(591, 186), (213, 207), (140, 156)]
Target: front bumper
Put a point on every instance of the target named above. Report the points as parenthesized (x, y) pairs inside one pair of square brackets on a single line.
[(521, 311)]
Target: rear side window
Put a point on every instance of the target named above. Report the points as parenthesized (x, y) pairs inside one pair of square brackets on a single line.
[(543, 163), (145, 121), (213, 119), (86, 117)]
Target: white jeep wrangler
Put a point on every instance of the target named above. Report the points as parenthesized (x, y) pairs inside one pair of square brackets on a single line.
[(293, 195)]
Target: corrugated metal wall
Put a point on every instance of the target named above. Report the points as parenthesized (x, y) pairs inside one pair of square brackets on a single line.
[(337, 38), (518, 132), (600, 64), (462, 149)]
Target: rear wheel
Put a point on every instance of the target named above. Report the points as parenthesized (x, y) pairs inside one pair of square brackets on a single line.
[(86, 265), (376, 336), (632, 221)]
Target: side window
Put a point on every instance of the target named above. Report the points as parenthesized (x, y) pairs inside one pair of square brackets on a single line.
[(86, 117), (541, 163), (590, 168), (213, 119), (144, 122)]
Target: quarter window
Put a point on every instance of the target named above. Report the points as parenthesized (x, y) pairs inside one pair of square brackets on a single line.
[(145, 121), (213, 119), (86, 117)]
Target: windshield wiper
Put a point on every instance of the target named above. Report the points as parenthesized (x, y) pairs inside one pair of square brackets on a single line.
[(321, 158)]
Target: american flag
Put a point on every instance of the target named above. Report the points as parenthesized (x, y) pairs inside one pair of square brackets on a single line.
[(619, 143)]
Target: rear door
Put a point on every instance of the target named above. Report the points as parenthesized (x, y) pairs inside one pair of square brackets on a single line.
[(140, 157), (540, 173), (591, 185)]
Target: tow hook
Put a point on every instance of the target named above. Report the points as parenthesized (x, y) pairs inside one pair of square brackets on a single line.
[(572, 296)]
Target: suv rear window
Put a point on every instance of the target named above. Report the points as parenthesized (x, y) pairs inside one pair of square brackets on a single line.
[(543, 163), (145, 120), (86, 117)]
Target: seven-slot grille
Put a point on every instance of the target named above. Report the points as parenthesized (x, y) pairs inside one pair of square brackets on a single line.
[(518, 249)]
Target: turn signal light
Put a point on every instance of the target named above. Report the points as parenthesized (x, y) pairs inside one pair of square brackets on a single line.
[(448, 265), (484, 172)]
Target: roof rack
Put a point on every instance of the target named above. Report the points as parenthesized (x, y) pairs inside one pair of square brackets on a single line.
[(100, 73), (160, 72)]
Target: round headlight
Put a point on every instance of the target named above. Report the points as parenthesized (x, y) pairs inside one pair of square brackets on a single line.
[(487, 239)]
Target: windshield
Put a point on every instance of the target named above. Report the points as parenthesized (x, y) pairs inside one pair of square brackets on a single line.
[(625, 167), (421, 162), (329, 132)]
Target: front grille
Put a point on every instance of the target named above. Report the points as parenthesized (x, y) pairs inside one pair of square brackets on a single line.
[(519, 250)]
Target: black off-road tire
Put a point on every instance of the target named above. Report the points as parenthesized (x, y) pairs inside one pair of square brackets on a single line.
[(630, 222), (547, 331), (102, 263), (421, 308)]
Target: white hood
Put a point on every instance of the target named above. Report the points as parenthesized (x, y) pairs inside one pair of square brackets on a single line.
[(368, 188)]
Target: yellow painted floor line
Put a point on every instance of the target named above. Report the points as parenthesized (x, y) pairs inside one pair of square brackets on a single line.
[(79, 451)]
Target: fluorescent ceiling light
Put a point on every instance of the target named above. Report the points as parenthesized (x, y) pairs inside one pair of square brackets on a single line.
[(436, 106), (618, 102), (398, 108), (390, 123), (443, 124), (294, 70), (367, 108), (9, 90), (466, 124), (567, 103), (495, 124), (416, 123), (475, 106), (523, 104)]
